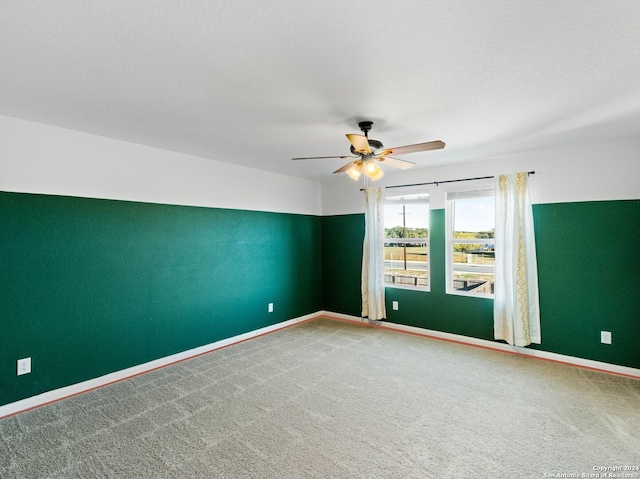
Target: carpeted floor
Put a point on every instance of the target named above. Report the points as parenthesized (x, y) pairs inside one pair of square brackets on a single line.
[(331, 399)]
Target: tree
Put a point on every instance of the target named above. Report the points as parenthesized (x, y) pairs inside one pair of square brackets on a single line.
[(396, 232)]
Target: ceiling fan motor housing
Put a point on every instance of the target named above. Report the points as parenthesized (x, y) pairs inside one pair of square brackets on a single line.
[(375, 145)]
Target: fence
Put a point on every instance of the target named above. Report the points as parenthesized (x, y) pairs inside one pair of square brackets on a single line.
[(475, 286), (406, 280)]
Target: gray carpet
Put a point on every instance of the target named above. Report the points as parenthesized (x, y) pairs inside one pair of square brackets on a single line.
[(334, 399)]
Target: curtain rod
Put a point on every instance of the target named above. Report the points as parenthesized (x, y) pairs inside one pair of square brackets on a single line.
[(447, 181)]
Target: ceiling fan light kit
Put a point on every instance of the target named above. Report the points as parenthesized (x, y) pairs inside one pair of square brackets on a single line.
[(370, 154)]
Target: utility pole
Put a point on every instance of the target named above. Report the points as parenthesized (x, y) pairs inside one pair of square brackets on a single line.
[(404, 235)]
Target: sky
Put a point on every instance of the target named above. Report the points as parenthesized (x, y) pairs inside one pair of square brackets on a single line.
[(417, 216), (470, 215), (476, 214)]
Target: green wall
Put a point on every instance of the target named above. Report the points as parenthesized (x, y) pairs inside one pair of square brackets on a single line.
[(88, 286), (342, 238), (589, 279)]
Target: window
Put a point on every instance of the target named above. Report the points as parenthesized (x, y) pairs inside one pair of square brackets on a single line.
[(470, 242), (406, 241)]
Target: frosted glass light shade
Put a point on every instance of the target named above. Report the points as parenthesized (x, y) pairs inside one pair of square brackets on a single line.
[(354, 171), (373, 171)]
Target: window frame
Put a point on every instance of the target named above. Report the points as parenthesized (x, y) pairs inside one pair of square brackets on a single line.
[(409, 192), (450, 241)]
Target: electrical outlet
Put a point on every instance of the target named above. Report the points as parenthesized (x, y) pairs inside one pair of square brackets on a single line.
[(395, 306), (24, 366), (605, 337), (271, 307)]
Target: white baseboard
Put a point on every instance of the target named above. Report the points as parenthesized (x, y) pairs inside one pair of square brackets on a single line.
[(78, 388), (74, 389), (483, 343)]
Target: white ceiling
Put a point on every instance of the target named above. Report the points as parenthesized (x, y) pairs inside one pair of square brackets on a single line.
[(256, 83)]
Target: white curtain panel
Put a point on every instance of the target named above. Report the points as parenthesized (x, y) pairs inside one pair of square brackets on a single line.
[(516, 311), (373, 256)]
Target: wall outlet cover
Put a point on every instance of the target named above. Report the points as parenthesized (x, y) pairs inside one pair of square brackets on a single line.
[(270, 307), (395, 306), (24, 366), (605, 337)]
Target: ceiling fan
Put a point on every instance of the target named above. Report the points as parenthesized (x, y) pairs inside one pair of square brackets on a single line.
[(371, 154)]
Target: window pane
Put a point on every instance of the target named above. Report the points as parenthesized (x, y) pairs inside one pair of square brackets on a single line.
[(472, 254), (406, 264), (473, 267), (406, 240), (474, 218)]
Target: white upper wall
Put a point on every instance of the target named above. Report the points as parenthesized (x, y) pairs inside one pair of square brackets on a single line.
[(38, 158), (607, 171)]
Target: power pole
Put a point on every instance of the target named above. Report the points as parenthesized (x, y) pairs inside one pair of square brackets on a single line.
[(404, 235)]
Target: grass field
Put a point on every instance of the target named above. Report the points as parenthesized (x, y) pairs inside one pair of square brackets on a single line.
[(414, 253), (419, 253), (407, 272)]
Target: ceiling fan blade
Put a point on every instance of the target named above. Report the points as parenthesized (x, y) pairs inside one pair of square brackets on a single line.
[(346, 167), (360, 143), (395, 162), (403, 150), (322, 157)]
